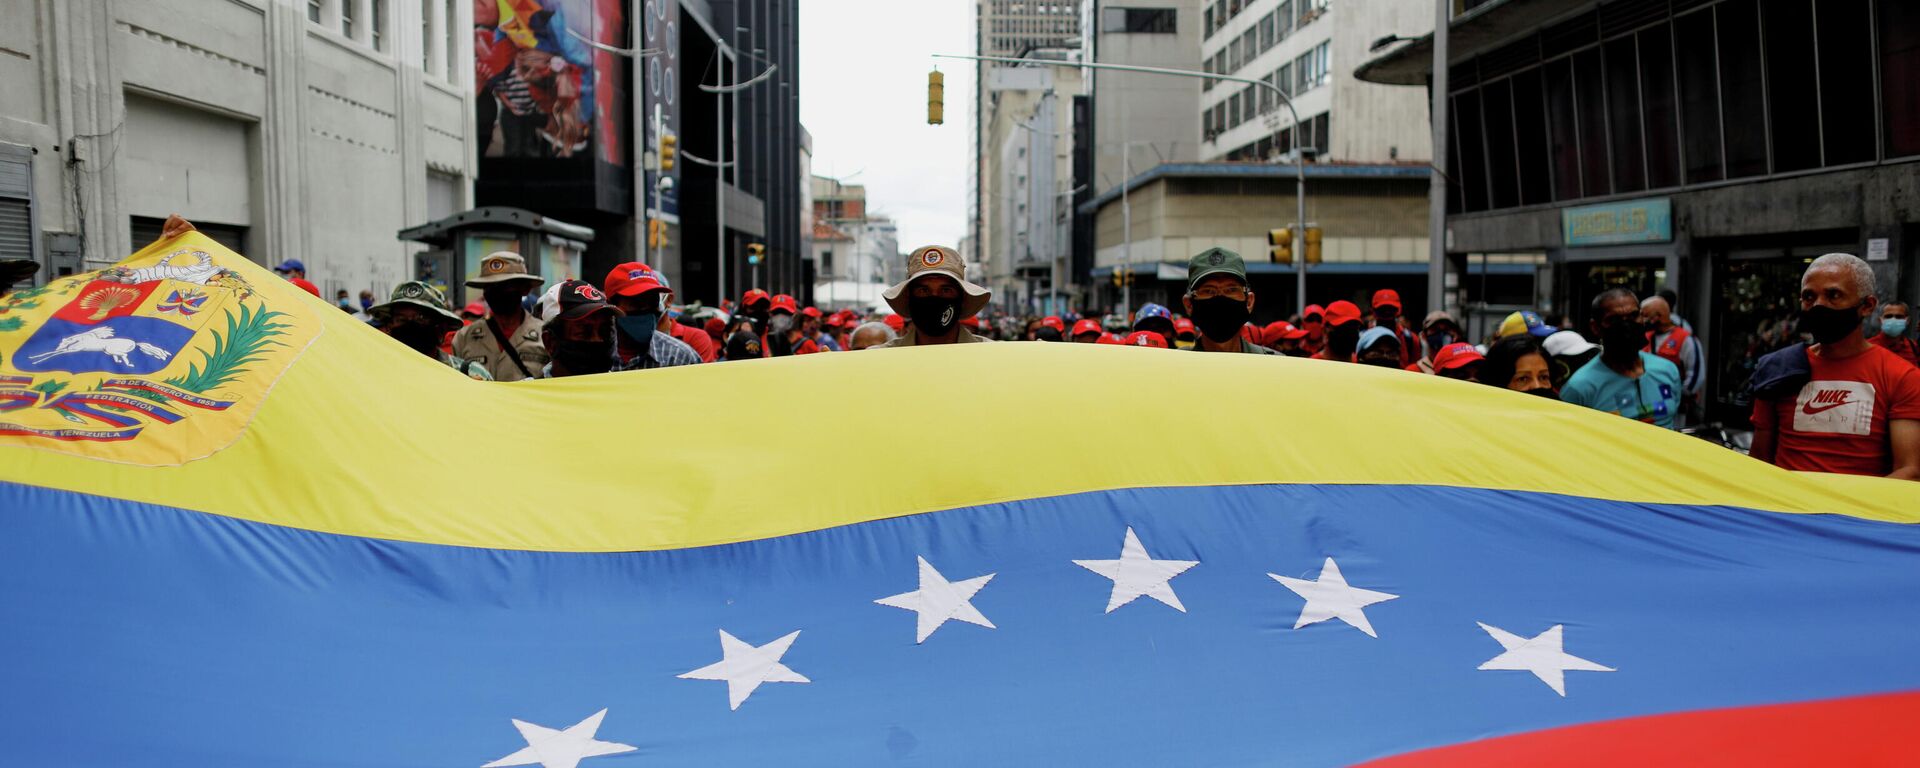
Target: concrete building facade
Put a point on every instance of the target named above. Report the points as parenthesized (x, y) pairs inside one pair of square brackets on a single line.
[(1308, 48), (309, 130), (1711, 147), (851, 244), (1012, 28), (1030, 163)]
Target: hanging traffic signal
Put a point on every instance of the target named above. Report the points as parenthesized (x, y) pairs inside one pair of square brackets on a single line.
[(1282, 242), (756, 253), (1313, 245), (656, 233), (936, 97), (668, 143)]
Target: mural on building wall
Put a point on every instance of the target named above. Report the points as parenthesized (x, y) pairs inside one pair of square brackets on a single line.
[(542, 92)]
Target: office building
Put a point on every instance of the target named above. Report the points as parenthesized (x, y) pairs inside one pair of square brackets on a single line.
[(1708, 147)]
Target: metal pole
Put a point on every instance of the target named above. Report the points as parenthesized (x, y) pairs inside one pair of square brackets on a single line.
[(1126, 226), (1299, 168), (1437, 181), (639, 126), (720, 185)]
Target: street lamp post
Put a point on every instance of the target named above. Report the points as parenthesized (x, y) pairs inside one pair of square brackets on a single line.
[(1300, 171)]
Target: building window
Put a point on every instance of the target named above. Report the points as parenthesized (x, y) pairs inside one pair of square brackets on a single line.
[(1590, 110), (1699, 97), (377, 9), (16, 203), (1623, 115), (1530, 138), (1233, 113), (1233, 55), (1284, 79), (1310, 10), (1266, 33), (1844, 37), (1152, 21), (1742, 87), (1789, 52), (1250, 45), (1206, 22), (1246, 102), (1563, 133), (313, 10), (1662, 111), (1899, 70), (1472, 170), (346, 18), (1503, 174), (1284, 19)]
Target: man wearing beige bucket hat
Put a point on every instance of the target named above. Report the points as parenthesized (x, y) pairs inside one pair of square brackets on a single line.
[(936, 296), (507, 342)]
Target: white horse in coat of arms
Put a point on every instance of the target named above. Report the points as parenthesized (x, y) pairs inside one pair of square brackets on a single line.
[(102, 340)]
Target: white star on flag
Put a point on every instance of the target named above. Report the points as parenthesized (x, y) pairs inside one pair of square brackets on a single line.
[(745, 667), (549, 748), (938, 600), (1136, 574), (1329, 597), (1540, 654)]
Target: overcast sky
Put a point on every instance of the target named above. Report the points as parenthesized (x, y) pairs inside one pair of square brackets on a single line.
[(863, 96)]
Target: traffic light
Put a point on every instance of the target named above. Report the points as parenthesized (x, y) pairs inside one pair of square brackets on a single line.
[(756, 253), (1121, 277), (936, 97), (1313, 245), (656, 233), (1282, 241), (668, 143)]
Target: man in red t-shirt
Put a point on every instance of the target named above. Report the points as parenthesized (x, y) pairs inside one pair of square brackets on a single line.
[(1859, 413)]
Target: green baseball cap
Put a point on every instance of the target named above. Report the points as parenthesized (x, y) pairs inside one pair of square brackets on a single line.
[(1215, 261)]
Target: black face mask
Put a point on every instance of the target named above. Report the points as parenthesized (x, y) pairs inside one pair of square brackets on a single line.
[(1546, 392), (1621, 342), (502, 303), (933, 315), (583, 357), (1341, 339), (1827, 324), (1220, 318), (420, 337)]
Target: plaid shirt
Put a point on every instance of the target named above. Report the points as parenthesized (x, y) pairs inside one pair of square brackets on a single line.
[(665, 352)]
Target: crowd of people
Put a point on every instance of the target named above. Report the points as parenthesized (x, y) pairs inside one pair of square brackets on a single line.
[(1842, 403)]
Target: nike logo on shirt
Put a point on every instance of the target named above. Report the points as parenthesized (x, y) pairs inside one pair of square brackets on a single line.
[(1826, 400)]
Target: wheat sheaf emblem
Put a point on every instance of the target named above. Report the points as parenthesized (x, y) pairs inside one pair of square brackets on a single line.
[(106, 300)]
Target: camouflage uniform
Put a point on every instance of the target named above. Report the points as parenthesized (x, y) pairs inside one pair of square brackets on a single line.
[(476, 342)]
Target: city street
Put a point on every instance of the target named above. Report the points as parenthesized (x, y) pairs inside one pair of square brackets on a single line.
[(1392, 383)]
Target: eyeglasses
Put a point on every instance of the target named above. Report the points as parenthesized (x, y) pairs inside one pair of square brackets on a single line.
[(1237, 293)]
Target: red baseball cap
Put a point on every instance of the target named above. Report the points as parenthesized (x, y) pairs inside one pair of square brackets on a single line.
[(715, 327), (1311, 310), (970, 321), (1182, 327), (1342, 312), (783, 301), (1281, 329), (476, 307), (835, 320), (896, 322), (1386, 297), (1108, 338), (1145, 339), (1456, 354), (632, 279), (754, 295), (1054, 322), (813, 312), (1086, 326)]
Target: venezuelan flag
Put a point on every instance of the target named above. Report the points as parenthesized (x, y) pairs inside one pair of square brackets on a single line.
[(1037, 555)]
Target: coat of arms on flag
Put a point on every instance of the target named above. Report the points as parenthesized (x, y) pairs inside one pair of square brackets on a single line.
[(170, 350)]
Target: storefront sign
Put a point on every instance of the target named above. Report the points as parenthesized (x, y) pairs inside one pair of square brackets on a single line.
[(1631, 221)]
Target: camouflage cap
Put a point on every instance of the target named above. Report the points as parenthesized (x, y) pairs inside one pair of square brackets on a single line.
[(1215, 261), (416, 294)]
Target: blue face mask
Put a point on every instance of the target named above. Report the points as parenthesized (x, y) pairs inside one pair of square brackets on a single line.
[(1894, 327), (638, 326)]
